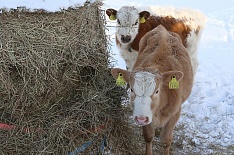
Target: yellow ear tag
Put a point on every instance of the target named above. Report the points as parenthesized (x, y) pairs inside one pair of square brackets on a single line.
[(112, 17), (173, 84), (142, 20), (120, 80)]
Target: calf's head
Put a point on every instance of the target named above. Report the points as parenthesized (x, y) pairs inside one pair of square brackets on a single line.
[(128, 20), (146, 90)]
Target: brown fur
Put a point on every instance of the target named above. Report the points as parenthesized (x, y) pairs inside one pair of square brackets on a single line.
[(170, 23), (162, 52)]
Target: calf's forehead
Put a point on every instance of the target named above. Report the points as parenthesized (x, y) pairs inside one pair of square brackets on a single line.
[(144, 83), (128, 15)]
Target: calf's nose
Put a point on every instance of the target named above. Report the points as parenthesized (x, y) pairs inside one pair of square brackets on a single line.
[(142, 120), (125, 39)]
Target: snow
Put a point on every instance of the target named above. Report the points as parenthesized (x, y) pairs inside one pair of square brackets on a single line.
[(208, 114)]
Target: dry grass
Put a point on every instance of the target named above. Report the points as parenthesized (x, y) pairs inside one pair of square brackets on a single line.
[(55, 86)]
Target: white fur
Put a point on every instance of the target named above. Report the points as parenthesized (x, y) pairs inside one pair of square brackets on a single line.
[(193, 41), (194, 18), (129, 24), (144, 87), (129, 57)]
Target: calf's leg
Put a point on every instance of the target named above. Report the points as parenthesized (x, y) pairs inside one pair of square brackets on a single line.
[(148, 132), (167, 133)]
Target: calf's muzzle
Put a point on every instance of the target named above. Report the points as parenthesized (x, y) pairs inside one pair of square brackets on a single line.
[(125, 39), (142, 120)]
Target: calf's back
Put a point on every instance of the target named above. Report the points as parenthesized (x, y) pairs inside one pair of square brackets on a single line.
[(163, 51)]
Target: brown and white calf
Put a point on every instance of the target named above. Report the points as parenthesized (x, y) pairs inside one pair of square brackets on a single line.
[(162, 57), (133, 24)]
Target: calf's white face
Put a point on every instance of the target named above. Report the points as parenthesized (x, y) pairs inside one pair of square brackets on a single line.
[(128, 20), (143, 90), (127, 24)]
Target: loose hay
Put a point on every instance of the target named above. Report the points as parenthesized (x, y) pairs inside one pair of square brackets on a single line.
[(55, 86)]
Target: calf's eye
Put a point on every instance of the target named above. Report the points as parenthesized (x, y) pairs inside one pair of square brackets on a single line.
[(118, 21), (135, 23)]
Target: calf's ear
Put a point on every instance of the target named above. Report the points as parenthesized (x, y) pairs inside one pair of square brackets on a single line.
[(167, 76), (143, 15), (111, 13), (115, 73)]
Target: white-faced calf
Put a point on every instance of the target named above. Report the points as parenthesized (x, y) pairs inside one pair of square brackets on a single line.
[(160, 81)]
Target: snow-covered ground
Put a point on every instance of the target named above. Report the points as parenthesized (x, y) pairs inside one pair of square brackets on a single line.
[(208, 115)]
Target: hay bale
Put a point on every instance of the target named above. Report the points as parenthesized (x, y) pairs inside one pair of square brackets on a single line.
[(56, 92)]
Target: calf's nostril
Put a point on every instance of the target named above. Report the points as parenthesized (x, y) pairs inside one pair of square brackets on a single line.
[(122, 38), (147, 120), (128, 38)]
